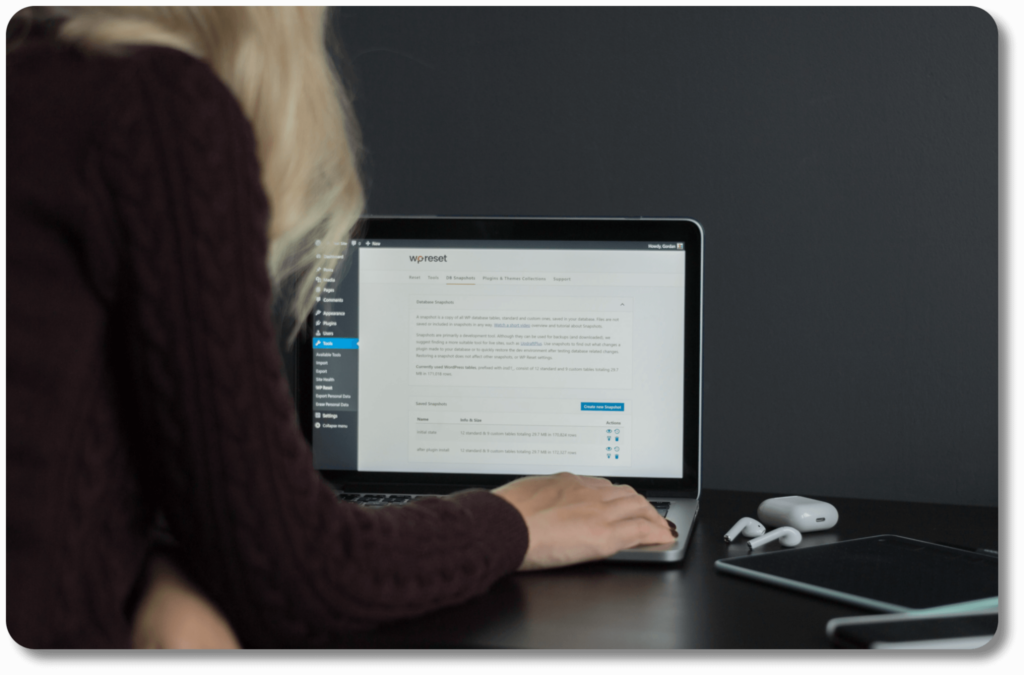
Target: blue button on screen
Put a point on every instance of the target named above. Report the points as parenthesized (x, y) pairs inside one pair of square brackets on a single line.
[(335, 343), (610, 407)]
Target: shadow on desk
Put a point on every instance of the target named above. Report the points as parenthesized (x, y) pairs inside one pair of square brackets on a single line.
[(682, 605)]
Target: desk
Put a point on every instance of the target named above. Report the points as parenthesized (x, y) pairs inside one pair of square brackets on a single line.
[(678, 605)]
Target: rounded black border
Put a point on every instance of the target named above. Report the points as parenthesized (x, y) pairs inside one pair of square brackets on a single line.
[(541, 229)]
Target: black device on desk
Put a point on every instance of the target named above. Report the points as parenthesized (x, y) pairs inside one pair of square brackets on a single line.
[(961, 630), (886, 573)]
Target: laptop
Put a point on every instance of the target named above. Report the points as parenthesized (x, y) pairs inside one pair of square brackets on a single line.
[(448, 353)]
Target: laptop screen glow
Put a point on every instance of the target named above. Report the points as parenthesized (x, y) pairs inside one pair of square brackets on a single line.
[(486, 357)]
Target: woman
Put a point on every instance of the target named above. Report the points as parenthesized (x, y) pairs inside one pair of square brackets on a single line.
[(167, 167)]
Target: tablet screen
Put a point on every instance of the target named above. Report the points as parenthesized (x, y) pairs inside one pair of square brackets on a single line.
[(885, 572)]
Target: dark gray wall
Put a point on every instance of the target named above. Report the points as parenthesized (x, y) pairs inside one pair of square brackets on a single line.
[(843, 163)]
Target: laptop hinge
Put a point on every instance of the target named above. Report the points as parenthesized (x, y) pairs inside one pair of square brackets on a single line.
[(443, 489), (402, 488), (678, 494)]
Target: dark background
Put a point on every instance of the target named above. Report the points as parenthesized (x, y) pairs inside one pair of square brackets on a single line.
[(843, 163)]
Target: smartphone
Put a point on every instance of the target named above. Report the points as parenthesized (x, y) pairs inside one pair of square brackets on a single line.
[(963, 630)]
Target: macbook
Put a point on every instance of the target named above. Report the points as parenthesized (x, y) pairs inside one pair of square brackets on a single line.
[(449, 353)]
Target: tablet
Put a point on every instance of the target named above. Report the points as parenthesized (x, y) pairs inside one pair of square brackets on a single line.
[(886, 573), (961, 630)]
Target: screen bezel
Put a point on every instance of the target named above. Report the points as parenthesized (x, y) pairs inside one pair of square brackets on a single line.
[(539, 229)]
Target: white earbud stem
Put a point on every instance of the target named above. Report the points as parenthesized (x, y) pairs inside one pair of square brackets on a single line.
[(787, 536), (748, 527)]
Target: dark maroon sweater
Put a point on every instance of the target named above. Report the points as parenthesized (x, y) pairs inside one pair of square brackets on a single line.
[(143, 376)]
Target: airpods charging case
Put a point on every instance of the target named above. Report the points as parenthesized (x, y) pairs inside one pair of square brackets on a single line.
[(800, 513)]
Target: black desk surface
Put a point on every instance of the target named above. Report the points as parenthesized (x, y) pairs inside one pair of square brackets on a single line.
[(679, 605)]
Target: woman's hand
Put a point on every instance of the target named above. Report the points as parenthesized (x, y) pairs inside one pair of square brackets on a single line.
[(174, 614), (573, 519)]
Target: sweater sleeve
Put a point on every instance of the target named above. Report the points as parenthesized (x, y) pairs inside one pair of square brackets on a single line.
[(212, 420)]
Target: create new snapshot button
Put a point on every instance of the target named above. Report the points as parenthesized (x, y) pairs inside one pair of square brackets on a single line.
[(620, 407), (335, 343)]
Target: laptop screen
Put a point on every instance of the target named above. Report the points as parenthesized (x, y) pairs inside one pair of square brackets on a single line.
[(499, 357)]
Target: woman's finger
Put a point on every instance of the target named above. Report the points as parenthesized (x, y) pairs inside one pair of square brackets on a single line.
[(634, 506), (638, 532)]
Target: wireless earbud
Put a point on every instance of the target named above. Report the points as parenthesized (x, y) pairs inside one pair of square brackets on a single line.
[(748, 527), (787, 536)]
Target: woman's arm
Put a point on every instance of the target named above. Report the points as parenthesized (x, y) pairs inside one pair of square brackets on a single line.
[(173, 614)]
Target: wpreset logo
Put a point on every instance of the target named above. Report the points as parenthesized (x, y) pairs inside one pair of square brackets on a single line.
[(428, 258)]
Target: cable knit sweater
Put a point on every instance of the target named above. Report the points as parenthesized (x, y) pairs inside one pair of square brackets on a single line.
[(143, 376)]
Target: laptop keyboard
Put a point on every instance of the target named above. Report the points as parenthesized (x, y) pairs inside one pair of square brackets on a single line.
[(378, 500)]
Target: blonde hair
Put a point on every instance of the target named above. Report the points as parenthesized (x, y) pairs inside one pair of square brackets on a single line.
[(275, 60)]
